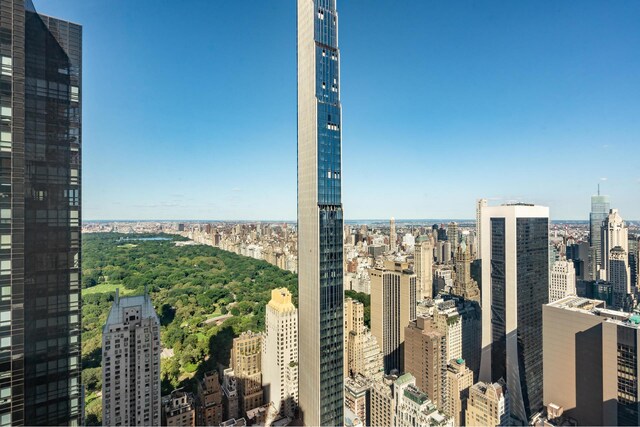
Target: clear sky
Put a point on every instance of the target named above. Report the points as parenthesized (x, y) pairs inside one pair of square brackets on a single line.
[(190, 106)]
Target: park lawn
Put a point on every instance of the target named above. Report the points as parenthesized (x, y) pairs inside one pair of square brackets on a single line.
[(107, 288)]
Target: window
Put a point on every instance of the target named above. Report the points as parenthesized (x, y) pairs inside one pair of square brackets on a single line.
[(7, 65), (74, 94), (5, 267), (5, 114), (5, 141), (5, 241)]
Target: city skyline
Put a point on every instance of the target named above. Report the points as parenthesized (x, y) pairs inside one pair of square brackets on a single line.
[(568, 90)]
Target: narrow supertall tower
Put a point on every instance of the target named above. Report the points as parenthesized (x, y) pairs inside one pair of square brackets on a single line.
[(320, 220)]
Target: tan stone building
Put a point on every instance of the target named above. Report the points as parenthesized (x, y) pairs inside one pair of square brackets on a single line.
[(425, 357), (488, 405), (353, 331), (423, 267), (382, 402), (246, 362), (459, 380), (362, 352), (178, 409), (210, 410), (393, 306)]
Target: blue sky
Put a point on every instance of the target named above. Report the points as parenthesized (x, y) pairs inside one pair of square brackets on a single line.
[(190, 107)]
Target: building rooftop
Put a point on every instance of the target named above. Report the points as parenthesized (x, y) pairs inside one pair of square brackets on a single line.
[(116, 315), (597, 308), (415, 395)]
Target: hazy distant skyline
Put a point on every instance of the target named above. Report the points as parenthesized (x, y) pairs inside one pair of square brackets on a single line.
[(190, 108)]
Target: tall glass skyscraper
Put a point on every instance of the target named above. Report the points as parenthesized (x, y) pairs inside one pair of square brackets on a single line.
[(515, 285), (40, 121), (320, 222), (599, 211)]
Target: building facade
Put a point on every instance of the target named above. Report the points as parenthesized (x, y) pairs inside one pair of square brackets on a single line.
[(246, 362), (131, 363), (320, 216), (614, 233), (230, 397), (620, 278), (393, 306), (562, 280), (515, 285), (423, 267), (356, 397), (40, 174), (480, 204), (210, 408), (414, 408), (179, 409), (591, 362), (425, 357), (488, 405), (280, 353), (459, 379)]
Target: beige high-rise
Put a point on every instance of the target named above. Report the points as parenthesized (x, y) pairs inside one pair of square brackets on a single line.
[(423, 267), (459, 380), (210, 408), (353, 332), (280, 353), (425, 357), (246, 362), (591, 361), (463, 285), (480, 204), (393, 306), (393, 237), (362, 352)]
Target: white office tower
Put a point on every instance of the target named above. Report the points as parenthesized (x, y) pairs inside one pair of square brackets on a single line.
[(480, 204), (414, 408), (515, 285), (422, 265), (614, 233), (562, 282), (280, 353), (131, 363)]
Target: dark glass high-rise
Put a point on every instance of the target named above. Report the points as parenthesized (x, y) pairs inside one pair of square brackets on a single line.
[(40, 85)]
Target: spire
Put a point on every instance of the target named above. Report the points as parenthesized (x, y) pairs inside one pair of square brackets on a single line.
[(117, 298), (598, 189)]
